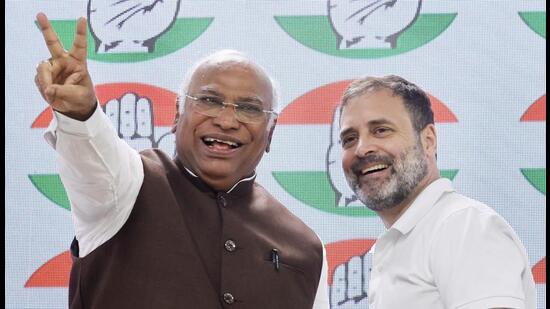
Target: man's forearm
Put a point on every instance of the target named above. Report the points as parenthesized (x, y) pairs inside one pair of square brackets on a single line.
[(101, 174)]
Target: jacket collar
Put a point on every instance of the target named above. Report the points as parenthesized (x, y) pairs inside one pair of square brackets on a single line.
[(240, 188)]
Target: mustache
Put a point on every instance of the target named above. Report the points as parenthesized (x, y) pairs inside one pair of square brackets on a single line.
[(358, 166)]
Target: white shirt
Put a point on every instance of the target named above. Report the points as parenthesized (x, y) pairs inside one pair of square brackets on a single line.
[(102, 176), (449, 251)]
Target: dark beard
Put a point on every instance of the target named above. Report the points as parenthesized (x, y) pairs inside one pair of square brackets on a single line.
[(406, 172)]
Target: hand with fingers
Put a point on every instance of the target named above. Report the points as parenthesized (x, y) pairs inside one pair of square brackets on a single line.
[(371, 23), (133, 118), (63, 80), (350, 283), (131, 25)]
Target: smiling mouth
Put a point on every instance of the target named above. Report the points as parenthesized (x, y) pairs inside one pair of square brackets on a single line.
[(219, 143), (374, 168)]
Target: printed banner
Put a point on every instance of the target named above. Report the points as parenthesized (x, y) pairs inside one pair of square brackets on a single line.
[(481, 62)]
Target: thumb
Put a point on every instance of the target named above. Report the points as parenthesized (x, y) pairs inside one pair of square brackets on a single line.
[(60, 92), (71, 101), (50, 93)]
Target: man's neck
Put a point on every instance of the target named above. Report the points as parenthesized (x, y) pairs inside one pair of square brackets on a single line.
[(226, 189), (391, 215)]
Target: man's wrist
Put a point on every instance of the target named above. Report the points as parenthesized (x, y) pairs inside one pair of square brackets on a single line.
[(79, 116)]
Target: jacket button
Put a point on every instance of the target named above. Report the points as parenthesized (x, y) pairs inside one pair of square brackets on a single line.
[(230, 245), (228, 298)]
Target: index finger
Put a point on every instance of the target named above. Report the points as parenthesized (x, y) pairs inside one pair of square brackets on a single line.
[(80, 45), (50, 37)]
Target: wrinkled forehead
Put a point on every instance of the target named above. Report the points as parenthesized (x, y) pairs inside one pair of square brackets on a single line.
[(234, 77)]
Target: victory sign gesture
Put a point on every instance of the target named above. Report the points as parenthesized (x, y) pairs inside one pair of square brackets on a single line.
[(63, 80)]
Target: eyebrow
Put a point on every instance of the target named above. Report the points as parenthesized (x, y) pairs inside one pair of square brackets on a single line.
[(380, 121), (346, 131), (210, 91), (253, 99), (371, 123)]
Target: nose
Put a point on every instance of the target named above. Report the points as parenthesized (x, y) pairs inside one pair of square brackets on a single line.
[(365, 146), (227, 119)]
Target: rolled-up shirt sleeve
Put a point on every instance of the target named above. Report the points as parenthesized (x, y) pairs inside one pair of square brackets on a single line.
[(102, 175)]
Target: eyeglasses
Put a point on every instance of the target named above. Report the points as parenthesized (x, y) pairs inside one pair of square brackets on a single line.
[(245, 112)]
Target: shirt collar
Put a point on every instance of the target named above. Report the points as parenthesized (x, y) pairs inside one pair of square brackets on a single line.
[(422, 205)]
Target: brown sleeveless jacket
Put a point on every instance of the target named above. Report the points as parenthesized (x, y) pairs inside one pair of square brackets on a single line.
[(186, 246)]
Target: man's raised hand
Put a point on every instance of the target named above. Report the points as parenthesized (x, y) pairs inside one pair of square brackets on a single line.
[(63, 80)]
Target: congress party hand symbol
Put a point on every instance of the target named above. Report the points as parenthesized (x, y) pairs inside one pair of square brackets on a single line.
[(350, 283), (371, 23), (130, 25), (132, 117), (344, 194)]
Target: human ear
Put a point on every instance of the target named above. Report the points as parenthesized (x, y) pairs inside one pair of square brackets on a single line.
[(271, 130), (429, 139), (176, 118)]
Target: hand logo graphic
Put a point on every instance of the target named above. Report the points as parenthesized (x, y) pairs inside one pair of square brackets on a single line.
[(351, 283), (131, 25), (132, 117), (371, 23), (344, 194)]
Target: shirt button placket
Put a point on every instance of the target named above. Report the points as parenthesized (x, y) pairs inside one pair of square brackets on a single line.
[(230, 246)]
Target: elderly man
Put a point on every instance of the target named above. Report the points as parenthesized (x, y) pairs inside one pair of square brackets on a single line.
[(194, 231), (441, 249)]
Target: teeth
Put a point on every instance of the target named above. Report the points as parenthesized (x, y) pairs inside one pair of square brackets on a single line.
[(212, 140), (374, 168)]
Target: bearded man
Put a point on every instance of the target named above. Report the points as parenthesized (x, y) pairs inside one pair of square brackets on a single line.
[(440, 249)]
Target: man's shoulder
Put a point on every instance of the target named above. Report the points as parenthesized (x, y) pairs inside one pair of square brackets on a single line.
[(156, 160), (154, 155), (460, 211), (265, 201), (274, 208), (457, 204)]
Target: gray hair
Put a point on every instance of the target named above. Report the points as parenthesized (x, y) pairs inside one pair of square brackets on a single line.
[(415, 99), (227, 54)]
